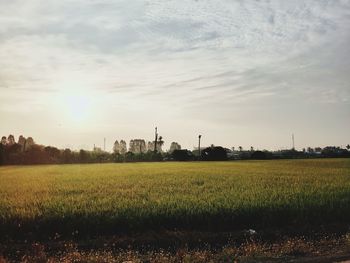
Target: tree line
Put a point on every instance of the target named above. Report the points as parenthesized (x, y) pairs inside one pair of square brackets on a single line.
[(25, 151)]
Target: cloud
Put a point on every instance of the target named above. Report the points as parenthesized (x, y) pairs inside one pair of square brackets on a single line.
[(203, 58)]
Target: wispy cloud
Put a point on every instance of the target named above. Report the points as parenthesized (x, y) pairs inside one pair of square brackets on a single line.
[(187, 59)]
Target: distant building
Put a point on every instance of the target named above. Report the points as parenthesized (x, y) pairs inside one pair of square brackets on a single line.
[(97, 149), (150, 146), (174, 146), (122, 147), (29, 143), (23, 142), (116, 147), (137, 146)]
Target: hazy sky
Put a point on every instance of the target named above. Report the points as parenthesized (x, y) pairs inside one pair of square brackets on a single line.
[(239, 72)]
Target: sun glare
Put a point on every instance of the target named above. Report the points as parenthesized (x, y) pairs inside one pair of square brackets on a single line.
[(78, 107), (74, 104)]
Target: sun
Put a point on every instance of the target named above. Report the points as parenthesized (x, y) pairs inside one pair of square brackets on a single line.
[(74, 106), (77, 107)]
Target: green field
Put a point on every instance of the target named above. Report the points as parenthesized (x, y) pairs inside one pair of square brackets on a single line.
[(114, 198)]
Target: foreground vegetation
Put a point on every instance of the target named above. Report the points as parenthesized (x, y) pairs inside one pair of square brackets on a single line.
[(287, 250), (176, 212), (211, 196)]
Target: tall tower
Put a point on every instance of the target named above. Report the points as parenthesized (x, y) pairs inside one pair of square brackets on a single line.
[(155, 139)]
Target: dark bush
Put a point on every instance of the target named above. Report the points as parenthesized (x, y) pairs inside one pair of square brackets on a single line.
[(258, 155), (182, 155), (216, 153)]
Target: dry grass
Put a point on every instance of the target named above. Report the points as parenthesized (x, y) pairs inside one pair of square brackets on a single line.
[(250, 251)]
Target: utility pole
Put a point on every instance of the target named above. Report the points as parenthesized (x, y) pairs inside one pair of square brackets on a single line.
[(293, 141), (199, 146), (104, 144), (155, 140)]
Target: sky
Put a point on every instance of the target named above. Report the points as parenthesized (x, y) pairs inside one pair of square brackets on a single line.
[(241, 73)]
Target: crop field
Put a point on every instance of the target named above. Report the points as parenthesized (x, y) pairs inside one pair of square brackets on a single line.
[(211, 196)]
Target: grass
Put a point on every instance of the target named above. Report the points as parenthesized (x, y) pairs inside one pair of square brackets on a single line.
[(212, 196)]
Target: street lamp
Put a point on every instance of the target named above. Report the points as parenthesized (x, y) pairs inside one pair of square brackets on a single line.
[(199, 146)]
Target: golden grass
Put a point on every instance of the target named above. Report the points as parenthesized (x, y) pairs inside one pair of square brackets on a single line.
[(203, 195)]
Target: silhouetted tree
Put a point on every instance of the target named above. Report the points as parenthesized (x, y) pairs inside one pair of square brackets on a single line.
[(13, 153), (318, 149), (36, 155), (67, 156), (2, 152), (216, 153), (53, 153), (83, 156), (182, 155), (333, 151), (258, 155), (129, 157)]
